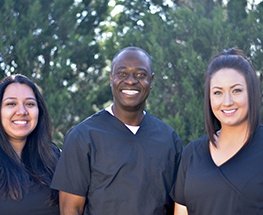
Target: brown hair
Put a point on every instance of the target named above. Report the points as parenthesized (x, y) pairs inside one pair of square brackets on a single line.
[(235, 59)]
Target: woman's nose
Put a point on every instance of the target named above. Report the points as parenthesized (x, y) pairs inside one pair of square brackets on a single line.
[(22, 110), (228, 100)]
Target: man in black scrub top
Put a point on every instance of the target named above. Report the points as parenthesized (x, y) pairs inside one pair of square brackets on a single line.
[(121, 160)]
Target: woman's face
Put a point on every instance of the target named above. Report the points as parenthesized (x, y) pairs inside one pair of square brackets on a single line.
[(19, 112), (229, 97)]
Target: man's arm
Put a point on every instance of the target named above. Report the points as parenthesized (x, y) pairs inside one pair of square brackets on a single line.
[(180, 209), (71, 204)]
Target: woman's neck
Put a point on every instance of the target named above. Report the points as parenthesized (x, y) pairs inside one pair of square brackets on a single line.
[(18, 146), (233, 134)]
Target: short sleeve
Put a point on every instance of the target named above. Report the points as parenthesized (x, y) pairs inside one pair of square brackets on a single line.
[(177, 192), (178, 148), (72, 173)]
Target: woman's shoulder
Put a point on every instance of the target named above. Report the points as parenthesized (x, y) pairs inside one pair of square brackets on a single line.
[(196, 146), (258, 133), (260, 128), (1, 168), (197, 142), (55, 149)]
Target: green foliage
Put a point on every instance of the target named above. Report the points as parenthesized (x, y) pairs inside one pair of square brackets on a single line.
[(182, 39), (54, 43), (66, 47)]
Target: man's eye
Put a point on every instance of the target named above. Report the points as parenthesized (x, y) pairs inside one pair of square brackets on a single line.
[(122, 74), (140, 76)]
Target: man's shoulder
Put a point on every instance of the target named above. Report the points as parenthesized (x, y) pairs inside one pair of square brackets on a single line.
[(96, 117), (90, 122), (156, 120)]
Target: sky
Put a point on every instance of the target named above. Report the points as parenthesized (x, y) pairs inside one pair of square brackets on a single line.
[(119, 8)]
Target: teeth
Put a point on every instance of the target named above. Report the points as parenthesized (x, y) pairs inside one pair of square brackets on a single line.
[(130, 92), (229, 111), (20, 122)]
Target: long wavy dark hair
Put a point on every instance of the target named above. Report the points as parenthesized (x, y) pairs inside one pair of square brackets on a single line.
[(39, 156), (233, 58)]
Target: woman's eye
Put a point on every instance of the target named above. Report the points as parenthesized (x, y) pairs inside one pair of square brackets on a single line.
[(10, 104), (237, 91), (31, 104), (217, 93)]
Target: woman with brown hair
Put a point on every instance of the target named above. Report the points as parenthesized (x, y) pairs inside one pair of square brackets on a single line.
[(221, 173)]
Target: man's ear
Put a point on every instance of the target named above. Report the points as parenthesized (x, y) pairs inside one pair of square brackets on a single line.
[(110, 77), (152, 79), (153, 76)]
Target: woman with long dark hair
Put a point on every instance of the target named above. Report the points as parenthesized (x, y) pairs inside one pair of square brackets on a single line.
[(27, 155)]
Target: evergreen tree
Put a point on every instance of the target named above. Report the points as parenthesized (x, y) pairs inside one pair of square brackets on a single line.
[(66, 46), (55, 43)]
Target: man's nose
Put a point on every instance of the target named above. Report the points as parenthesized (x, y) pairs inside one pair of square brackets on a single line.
[(131, 79)]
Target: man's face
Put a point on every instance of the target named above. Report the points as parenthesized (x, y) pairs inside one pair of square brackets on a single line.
[(130, 79)]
